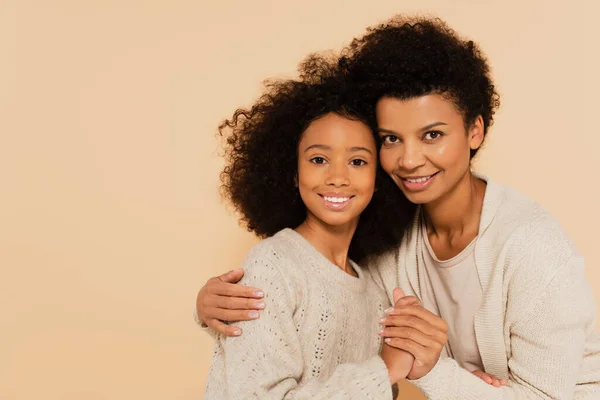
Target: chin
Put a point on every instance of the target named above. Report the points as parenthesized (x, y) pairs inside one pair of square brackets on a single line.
[(419, 198), (338, 221)]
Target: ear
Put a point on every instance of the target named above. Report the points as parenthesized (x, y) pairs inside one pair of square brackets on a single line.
[(476, 133)]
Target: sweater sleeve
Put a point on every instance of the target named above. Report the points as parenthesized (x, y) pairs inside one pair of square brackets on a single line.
[(266, 361), (547, 346)]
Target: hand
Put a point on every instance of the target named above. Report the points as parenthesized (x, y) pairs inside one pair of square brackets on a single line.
[(398, 362), (489, 378), (221, 299), (412, 328)]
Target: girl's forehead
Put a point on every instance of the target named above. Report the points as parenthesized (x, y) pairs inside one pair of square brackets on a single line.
[(335, 130)]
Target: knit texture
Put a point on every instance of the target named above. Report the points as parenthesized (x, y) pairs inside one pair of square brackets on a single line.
[(536, 324), (317, 337)]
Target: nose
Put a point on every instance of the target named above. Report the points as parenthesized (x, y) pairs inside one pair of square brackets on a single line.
[(412, 157), (337, 175)]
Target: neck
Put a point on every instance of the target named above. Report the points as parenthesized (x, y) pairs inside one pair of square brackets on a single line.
[(458, 210), (331, 241)]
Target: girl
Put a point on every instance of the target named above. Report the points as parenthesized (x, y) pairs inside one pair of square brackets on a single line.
[(302, 171), (492, 263)]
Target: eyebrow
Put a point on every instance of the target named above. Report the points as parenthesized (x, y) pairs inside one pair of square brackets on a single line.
[(325, 147), (425, 128)]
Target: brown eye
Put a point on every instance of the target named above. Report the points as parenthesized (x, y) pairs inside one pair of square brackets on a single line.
[(390, 139), (317, 160), (432, 135), (358, 162)]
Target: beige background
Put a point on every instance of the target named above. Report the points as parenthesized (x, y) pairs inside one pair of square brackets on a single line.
[(109, 215)]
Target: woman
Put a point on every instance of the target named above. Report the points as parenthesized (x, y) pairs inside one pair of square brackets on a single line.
[(492, 263), (301, 169)]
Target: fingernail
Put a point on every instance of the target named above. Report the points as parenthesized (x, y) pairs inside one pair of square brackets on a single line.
[(382, 320), (237, 332), (260, 305), (419, 363), (259, 293), (380, 332), (387, 340), (388, 310), (253, 314)]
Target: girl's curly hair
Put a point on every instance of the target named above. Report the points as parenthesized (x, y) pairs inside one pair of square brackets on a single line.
[(408, 57), (261, 152)]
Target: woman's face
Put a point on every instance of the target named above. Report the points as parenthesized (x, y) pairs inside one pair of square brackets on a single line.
[(425, 148), (337, 164)]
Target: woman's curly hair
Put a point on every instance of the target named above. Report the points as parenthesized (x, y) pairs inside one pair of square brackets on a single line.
[(408, 57), (261, 153)]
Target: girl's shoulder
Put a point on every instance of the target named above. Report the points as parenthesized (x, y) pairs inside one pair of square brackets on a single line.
[(276, 250)]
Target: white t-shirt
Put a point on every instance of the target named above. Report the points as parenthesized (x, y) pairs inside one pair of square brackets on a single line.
[(451, 289)]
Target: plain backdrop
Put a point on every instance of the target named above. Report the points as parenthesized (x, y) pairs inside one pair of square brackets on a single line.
[(110, 220)]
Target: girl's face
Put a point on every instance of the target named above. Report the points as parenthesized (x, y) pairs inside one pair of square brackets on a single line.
[(337, 164), (425, 148)]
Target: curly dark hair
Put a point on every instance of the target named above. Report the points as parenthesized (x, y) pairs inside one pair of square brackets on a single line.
[(261, 152), (411, 56)]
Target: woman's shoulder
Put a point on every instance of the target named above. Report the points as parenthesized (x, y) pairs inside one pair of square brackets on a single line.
[(518, 216), (526, 236)]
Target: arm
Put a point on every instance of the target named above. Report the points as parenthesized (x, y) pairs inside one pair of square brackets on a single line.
[(266, 361), (546, 346)]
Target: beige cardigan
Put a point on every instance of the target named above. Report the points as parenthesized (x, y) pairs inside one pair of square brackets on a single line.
[(536, 325)]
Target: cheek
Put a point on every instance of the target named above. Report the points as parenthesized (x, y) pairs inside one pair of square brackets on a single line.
[(449, 154), (307, 173), (388, 158), (365, 180)]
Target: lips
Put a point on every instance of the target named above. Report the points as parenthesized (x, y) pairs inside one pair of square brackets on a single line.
[(337, 201), (417, 183)]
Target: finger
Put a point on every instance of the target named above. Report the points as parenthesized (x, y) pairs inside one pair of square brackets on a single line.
[(409, 333), (483, 376), (234, 303), (407, 301), (420, 312), (419, 352), (233, 315), (224, 329), (496, 381), (232, 276), (487, 378), (490, 379), (398, 294), (233, 289), (415, 323)]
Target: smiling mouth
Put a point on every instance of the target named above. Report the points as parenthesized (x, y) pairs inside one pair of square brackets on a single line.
[(337, 199), (420, 179), (337, 203), (417, 184)]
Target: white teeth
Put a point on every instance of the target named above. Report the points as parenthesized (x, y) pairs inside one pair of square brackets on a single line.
[(418, 180), (336, 199)]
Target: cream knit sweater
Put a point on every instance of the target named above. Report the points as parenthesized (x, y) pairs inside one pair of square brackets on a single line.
[(317, 337), (536, 324)]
